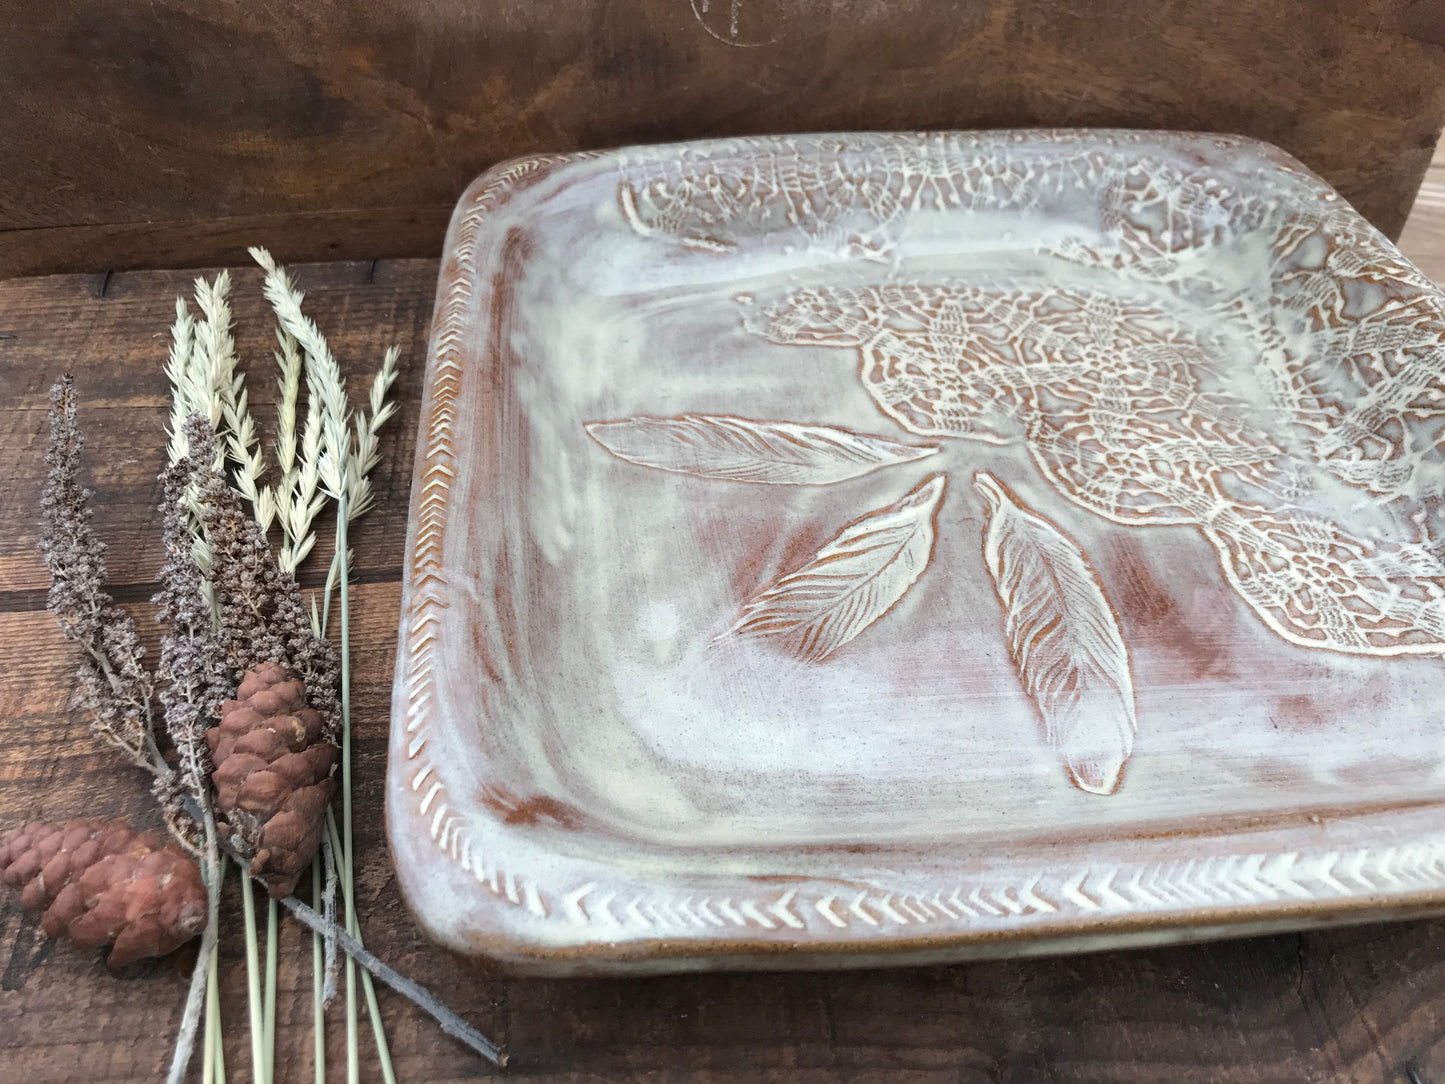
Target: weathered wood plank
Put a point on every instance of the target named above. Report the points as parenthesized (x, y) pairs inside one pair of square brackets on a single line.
[(320, 120), (367, 233)]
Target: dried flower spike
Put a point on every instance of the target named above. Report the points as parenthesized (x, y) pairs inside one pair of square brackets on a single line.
[(342, 458), (104, 883), (324, 377), (297, 498), (193, 663), (204, 380), (367, 448), (113, 684), (261, 615)]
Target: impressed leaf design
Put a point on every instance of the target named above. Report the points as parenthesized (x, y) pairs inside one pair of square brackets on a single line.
[(852, 581), (743, 450), (1063, 638)]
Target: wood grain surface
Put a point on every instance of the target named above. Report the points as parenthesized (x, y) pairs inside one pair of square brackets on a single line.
[(1359, 1005), (1423, 239), (163, 134)]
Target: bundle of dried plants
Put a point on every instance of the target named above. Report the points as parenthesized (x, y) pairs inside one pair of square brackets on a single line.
[(247, 713)]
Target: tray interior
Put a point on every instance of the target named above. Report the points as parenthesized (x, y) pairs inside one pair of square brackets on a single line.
[(644, 718)]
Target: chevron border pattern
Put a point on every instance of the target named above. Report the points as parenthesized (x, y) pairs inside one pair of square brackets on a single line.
[(1103, 891), (448, 827)]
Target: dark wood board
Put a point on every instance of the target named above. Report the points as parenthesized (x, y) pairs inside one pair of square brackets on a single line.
[(159, 134), (1362, 1005)]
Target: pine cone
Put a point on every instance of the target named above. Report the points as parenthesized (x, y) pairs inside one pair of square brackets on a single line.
[(103, 882), (273, 774)]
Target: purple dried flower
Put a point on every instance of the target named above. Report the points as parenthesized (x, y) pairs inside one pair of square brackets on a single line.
[(113, 683)]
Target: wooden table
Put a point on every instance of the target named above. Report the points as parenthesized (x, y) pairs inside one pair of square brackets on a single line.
[(336, 129), (1364, 1004)]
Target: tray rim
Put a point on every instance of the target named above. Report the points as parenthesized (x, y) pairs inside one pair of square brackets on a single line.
[(1326, 879)]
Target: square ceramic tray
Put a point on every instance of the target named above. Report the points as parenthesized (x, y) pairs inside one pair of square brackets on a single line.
[(847, 549)]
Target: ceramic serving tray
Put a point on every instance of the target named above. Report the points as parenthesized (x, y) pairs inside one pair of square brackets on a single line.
[(847, 549)]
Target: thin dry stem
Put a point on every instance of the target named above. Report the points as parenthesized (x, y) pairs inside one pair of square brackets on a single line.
[(419, 996)]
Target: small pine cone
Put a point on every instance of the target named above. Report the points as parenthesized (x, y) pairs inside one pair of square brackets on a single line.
[(273, 774), (104, 883)]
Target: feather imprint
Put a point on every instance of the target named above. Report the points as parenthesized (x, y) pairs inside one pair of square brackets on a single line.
[(1063, 638), (743, 450), (851, 581)]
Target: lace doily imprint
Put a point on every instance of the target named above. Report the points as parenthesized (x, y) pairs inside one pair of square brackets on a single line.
[(851, 195), (1313, 473), (1126, 411), (1290, 412)]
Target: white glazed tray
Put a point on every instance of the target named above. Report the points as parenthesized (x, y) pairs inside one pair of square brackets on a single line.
[(841, 550)]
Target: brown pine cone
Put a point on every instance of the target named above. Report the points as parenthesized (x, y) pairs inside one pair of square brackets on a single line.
[(100, 882), (273, 774)]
